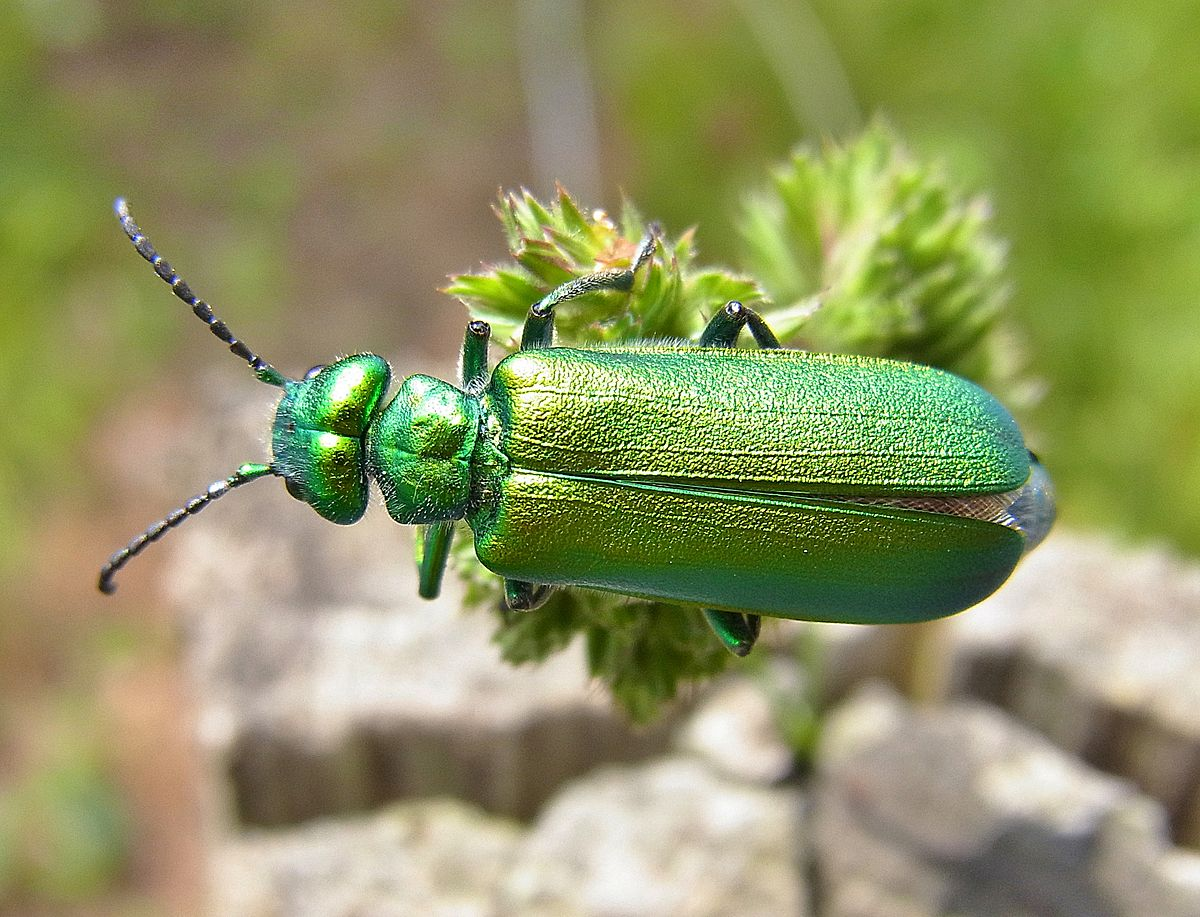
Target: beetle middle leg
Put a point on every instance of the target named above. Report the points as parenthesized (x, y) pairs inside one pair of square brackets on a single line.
[(539, 324), (518, 594), (736, 630), (724, 327)]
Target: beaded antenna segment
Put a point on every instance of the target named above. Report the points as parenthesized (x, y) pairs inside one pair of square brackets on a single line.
[(243, 475), (262, 369)]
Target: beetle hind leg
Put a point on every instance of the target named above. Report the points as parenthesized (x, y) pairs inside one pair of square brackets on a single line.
[(724, 327), (737, 630), (522, 596)]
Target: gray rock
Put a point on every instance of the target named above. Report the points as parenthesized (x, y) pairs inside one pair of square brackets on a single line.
[(1096, 647), (962, 811), (734, 729), (1138, 871), (1099, 650), (439, 858), (666, 838)]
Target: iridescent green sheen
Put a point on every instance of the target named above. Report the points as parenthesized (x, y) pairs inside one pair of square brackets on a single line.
[(318, 436), (730, 479), (778, 420), (713, 477), (419, 450), (790, 558)]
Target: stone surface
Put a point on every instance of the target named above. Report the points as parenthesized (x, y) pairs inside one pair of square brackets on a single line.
[(1099, 650), (439, 858), (735, 731), (672, 837), (961, 810), (1096, 647), (669, 838)]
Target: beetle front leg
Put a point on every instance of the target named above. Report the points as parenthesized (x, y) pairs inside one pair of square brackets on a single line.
[(539, 324), (475, 357), (522, 596), (433, 540), (432, 551)]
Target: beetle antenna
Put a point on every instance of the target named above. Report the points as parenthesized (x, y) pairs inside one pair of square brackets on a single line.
[(244, 474), (264, 370)]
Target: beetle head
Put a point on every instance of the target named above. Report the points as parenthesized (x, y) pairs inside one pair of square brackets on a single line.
[(319, 434)]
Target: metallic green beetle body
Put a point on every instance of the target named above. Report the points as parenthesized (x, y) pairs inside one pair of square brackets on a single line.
[(751, 481), (719, 477), (745, 482)]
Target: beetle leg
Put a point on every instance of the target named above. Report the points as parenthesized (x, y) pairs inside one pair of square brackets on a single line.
[(522, 596), (433, 541), (726, 325), (432, 550), (737, 630), (475, 357), (539, 324)]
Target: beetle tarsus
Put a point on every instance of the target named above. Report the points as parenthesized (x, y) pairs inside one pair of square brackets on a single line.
[(737, 630), (522, 596), (539, 324), (724, 327), (475, 356)]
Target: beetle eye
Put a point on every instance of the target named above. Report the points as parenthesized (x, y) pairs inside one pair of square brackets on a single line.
[(314, 371)]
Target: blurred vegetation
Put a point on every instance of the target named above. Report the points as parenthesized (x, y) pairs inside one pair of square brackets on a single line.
[(317, 170)]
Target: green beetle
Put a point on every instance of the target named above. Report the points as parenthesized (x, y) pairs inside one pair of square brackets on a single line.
[(775, 482)]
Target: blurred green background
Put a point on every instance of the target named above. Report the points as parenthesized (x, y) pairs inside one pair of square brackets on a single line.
[(317, 170)]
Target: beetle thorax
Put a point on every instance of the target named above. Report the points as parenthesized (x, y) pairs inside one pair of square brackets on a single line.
[(419, 450)]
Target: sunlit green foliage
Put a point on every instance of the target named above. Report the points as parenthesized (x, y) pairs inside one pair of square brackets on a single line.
[(877, 253)]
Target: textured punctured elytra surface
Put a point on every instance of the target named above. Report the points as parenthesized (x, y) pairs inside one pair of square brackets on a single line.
[(782, 420), (807, 559), (713, 477)]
